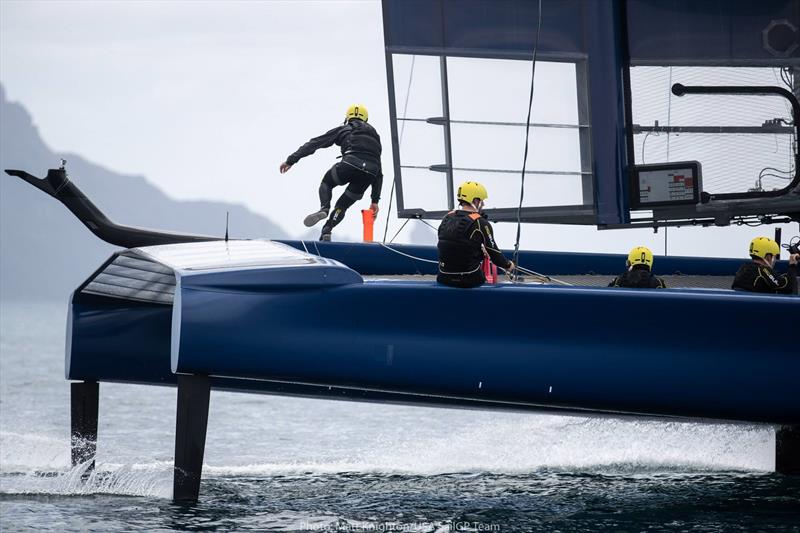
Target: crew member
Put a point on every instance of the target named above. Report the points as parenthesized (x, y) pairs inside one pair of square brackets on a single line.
[(758, 275), (638, 275), (464, 235), (359, 168)]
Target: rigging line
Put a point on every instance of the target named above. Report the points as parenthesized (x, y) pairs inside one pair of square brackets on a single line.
[(540, 277), (785, 77), (528, 271), (304, 245), (501, 170), (399, 143), (523, 270), (398, 231), (669, 125), (428, 224), (669, 109), (765, 173), (438, 120), (789, 172), (527, 135), (408, 255), (644, 142), (770, 175)]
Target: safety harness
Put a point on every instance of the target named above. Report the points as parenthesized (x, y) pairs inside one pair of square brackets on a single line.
[(455, 227)]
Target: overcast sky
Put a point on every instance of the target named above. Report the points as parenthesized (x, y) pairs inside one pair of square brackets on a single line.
[(206, 99)]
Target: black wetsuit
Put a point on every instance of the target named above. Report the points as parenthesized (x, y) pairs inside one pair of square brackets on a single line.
[(638, 277), (359, 168), (462, 237), (755, 277)]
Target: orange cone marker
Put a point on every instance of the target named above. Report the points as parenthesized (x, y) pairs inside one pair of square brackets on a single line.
[(369, 221)]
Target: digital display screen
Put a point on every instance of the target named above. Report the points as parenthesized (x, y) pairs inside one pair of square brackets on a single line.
[(667, 184)]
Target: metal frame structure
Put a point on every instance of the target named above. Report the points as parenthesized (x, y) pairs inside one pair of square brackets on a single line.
[(584, 213), (680, 90), (603, 40), (552, 214), (722, 209)]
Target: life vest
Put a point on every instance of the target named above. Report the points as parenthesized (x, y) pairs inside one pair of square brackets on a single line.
[(458, 254), (361, 140), (639, 278), (456, 225)]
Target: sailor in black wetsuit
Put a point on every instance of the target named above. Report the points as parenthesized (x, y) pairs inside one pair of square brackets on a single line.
[(638, 275), (758, 275), (464, 234), (359, 168)]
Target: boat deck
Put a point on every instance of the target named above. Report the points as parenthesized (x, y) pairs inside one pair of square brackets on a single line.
[(588, 280)]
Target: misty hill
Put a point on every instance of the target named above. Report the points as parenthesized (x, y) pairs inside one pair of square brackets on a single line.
[(45, 252)]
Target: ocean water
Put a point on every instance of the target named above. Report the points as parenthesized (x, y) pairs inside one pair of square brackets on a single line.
[(283, 464)]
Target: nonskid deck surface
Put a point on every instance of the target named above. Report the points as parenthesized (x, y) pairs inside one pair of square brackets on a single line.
[(588, 280)]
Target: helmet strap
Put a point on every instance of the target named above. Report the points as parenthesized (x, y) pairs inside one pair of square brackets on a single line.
[(764, 261)]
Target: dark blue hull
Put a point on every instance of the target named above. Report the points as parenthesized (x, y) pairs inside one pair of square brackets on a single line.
[(672, 353)]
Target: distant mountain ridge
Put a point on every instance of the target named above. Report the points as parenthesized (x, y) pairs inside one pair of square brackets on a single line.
[(45, 252)]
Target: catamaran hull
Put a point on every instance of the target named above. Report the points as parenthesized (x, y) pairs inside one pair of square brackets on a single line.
[(324, 332)]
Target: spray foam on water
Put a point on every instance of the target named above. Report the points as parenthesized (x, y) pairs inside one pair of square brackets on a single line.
[(548, 443), (37, 464)]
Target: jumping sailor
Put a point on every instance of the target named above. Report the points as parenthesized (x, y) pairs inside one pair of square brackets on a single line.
[(464, 236), (359, 168), (638, 274), (758, 275)]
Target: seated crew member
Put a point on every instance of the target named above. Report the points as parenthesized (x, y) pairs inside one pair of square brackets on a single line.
[(464, 234), (638, 275), (359, 168), (758, 275)]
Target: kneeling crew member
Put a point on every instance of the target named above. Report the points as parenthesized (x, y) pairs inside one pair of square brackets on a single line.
[(638, 275), (758, 275), (463, 236), (359, 168)]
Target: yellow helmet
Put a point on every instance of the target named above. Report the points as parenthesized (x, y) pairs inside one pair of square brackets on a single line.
[(357, 111), (469, 190), (761, 246), (641, 255)]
